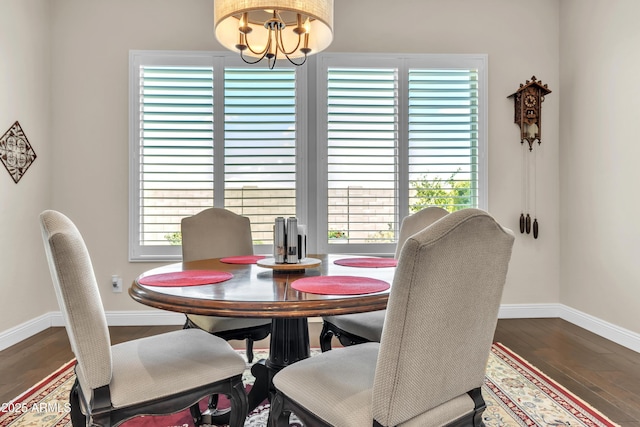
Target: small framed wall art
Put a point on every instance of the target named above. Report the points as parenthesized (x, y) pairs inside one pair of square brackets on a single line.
[(16, 153)]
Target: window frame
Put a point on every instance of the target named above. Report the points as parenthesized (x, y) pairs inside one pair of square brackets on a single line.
[(311, 137), (219, 61), (403, 63)]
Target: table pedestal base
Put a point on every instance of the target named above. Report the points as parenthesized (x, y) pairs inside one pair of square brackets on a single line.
[(289, 343)]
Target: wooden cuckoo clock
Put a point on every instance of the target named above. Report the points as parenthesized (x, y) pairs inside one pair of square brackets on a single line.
[(528, 116), (528, 110)]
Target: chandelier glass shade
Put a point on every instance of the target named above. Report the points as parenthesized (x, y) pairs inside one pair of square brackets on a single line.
[(274, 29)]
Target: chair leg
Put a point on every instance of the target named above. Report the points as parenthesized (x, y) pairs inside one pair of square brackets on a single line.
[(213, 402), (187, 323), (325, 337), (277, 416), (78, 419), (480, 406), (100, 420), (196, 414), (249, 345), (239, 405)]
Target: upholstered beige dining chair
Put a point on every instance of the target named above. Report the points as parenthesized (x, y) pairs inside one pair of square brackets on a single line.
[(218, 233), (429, 366), (364, 327), (160, 374)]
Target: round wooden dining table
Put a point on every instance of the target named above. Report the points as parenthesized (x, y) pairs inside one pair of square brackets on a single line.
[(261, 289)]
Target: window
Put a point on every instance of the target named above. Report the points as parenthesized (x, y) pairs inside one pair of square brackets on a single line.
[(387, 134), (401, 133), (205, 132), (362, 156), (443, 138), (260, 140), (175, 149)]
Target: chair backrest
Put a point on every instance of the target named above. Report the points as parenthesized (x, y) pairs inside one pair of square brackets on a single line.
[(416, 222), (441, 315), (215, 233), (78, 297)]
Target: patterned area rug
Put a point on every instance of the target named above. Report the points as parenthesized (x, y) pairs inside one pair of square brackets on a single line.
[(516, 393)]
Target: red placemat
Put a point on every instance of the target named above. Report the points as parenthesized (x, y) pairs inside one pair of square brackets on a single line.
[(242, 259), (186, 278), (339, 285), (368, 262)]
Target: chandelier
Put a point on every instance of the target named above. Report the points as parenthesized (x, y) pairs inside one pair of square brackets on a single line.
[(274, 29)]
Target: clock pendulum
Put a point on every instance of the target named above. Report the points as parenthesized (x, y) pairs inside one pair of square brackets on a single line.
[(535, 226), (528, 180), (524, 188)]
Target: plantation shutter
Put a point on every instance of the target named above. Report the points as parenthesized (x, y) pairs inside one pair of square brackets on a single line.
[(362, 158), (443, 139), (376, 137), (176, 149), (260, 146)]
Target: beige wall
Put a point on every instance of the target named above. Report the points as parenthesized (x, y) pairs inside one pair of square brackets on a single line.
[(494, 27), (90, 43), (25, 97), (600, 234)]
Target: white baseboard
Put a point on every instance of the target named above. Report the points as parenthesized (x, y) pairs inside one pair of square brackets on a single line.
[(131, 318), (599, 327), (529, 311), (624, 337), (25, 330), (114, 318)]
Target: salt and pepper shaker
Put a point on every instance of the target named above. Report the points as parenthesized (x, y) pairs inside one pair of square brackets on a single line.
[(292, 240), (279, 241), (289, 241)]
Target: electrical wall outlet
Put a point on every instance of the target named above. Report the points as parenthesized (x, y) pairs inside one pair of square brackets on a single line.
[(116, 283)]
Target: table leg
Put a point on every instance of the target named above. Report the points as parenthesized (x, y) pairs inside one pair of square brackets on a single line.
[(289, 343)]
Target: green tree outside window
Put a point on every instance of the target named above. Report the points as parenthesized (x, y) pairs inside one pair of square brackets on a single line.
[(449, 194)]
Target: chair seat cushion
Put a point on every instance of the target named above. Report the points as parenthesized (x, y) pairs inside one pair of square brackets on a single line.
[(166, 364), (213, 324), (366, 325), (337, 386)]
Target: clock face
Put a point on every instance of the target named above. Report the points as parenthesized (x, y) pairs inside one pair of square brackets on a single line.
[(529, 100)]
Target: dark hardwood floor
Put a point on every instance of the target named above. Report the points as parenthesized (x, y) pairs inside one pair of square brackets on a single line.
[(604, 374)]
